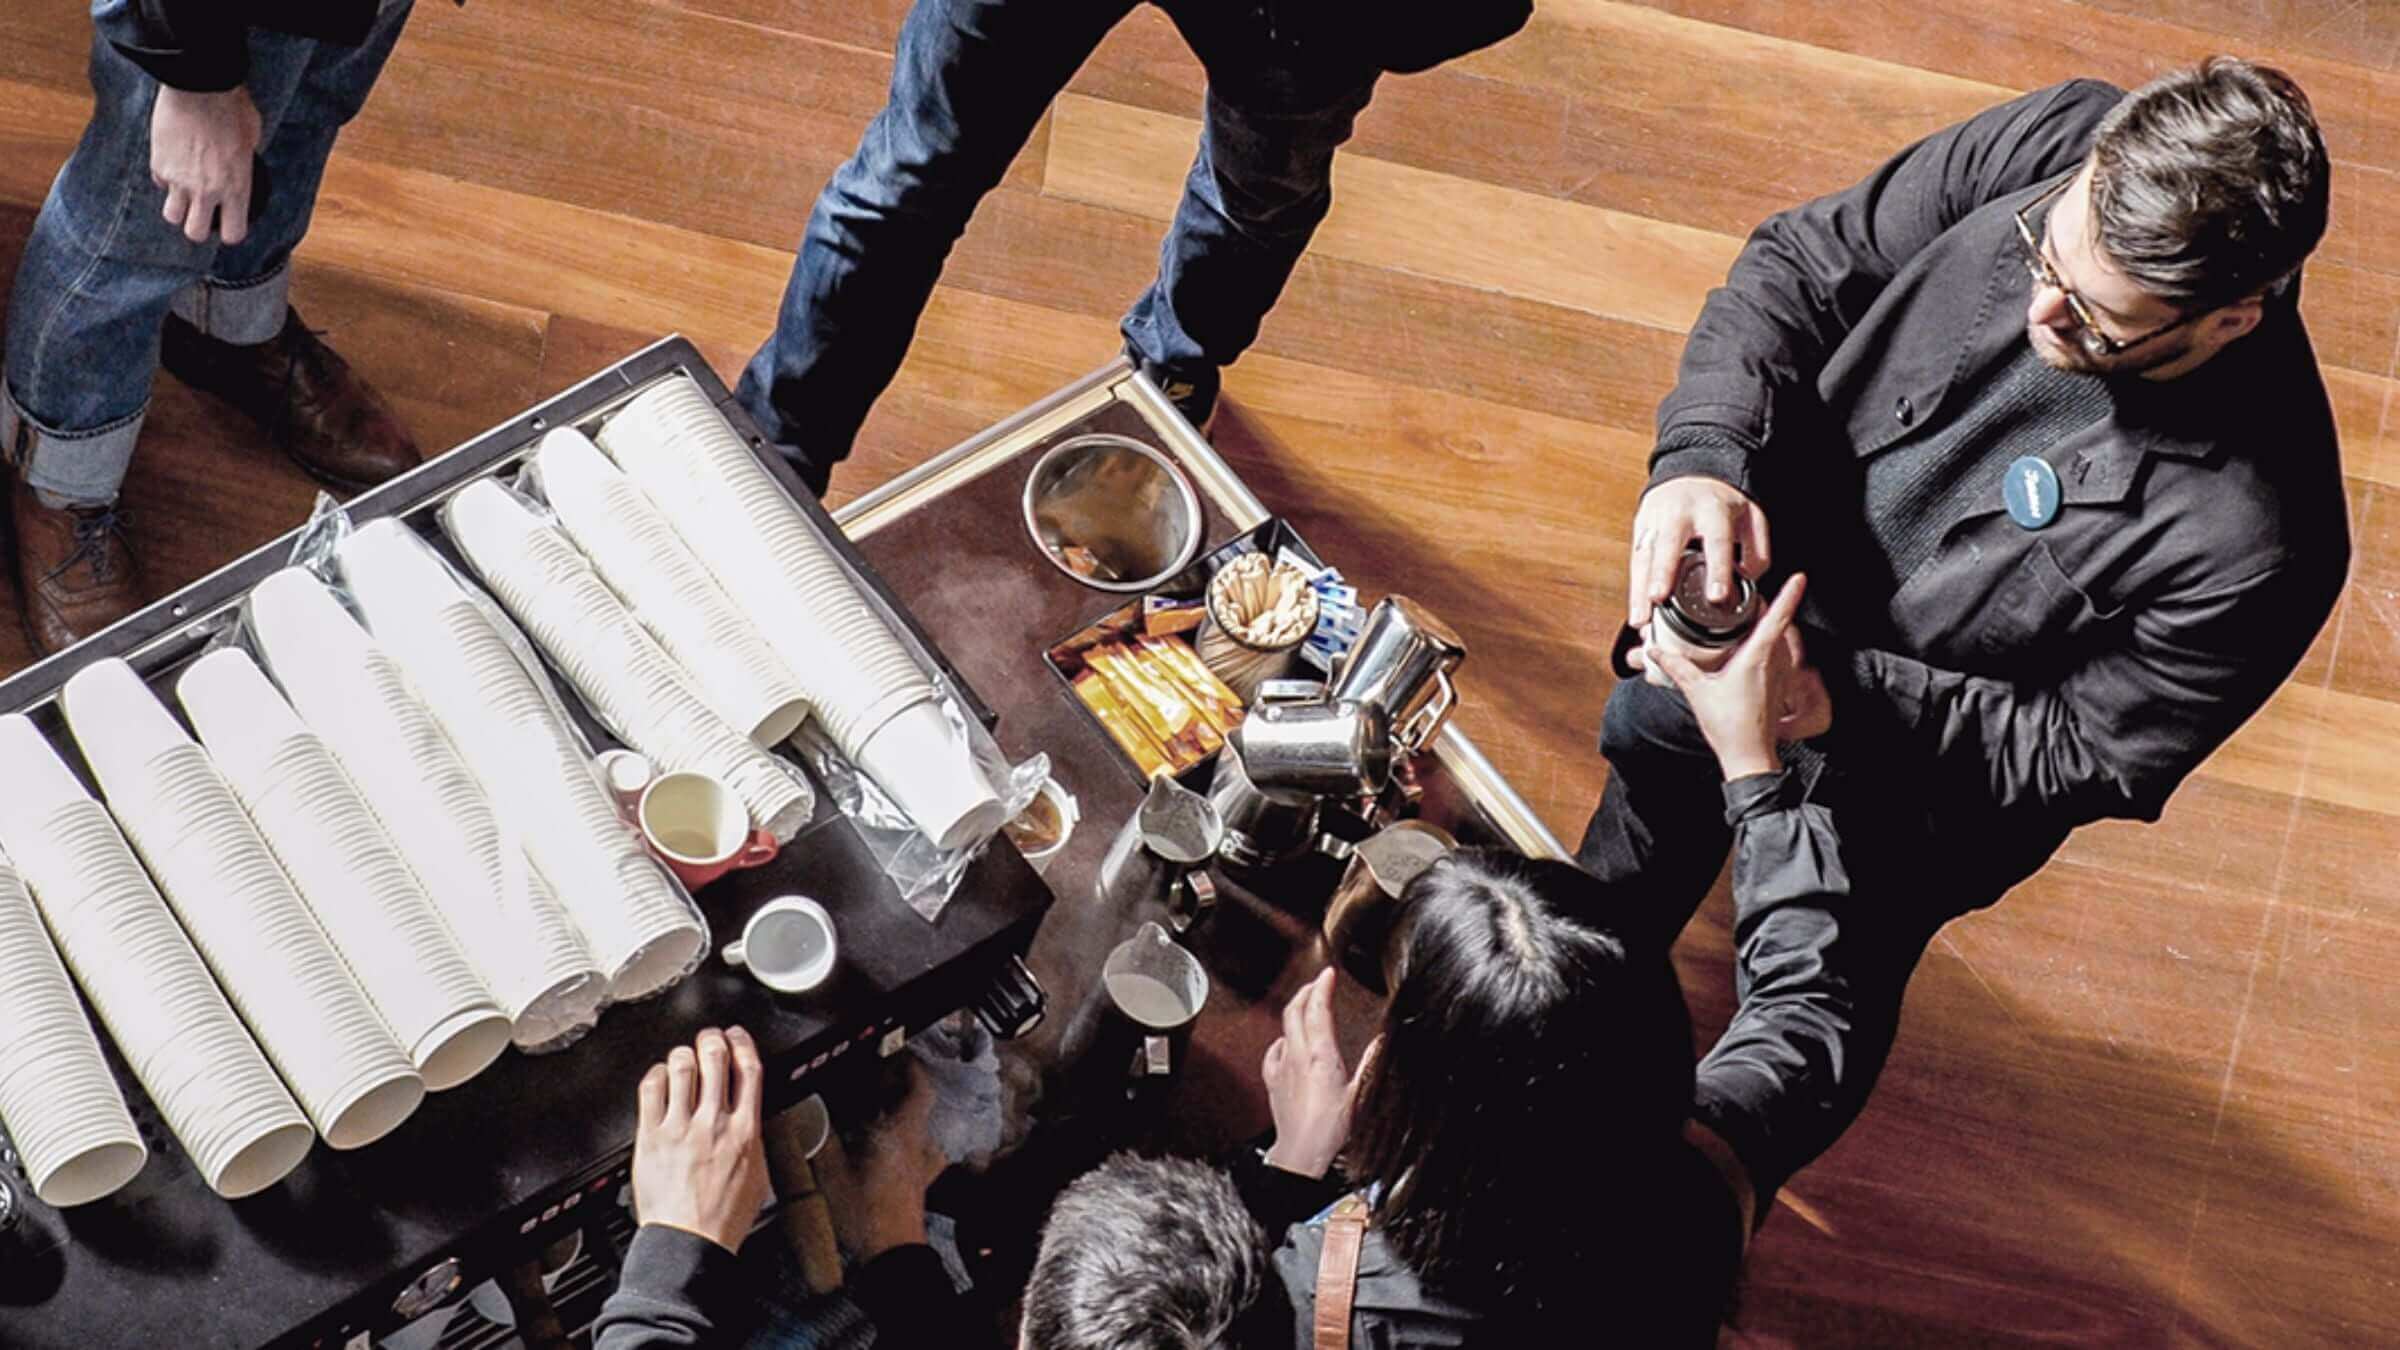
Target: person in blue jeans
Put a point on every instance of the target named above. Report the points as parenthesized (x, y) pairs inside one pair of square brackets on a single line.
[(971, 78), (167, 239)]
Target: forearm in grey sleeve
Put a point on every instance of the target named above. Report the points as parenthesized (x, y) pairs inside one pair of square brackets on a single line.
[(1796, 1063)]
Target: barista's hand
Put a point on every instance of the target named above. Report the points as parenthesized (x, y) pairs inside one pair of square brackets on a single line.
[(200, 149), (896, 1167), (1674, 514), (698, 1163), (1308, 1087), (1804, 710), (1740, 704)]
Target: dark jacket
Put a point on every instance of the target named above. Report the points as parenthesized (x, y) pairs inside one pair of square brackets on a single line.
[(2032, 680), (203, 45), (1788, 880), (1406, 36), (1393, 1309), (679, 1289)]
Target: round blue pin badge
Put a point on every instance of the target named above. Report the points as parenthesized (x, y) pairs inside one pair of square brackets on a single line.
[(2031, 492)]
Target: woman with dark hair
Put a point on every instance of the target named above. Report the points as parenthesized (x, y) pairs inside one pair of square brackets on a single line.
[(1522, 1168)]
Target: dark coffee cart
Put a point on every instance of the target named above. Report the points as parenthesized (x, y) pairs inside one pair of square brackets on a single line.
[(355, 1245)]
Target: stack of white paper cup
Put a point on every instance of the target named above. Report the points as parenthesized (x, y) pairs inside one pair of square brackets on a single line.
[(770, 559), (637, 552), (643, 935), (346, 869), (628, 679), (273, 961), (168, 1018), (63, 1110), (359, 703)]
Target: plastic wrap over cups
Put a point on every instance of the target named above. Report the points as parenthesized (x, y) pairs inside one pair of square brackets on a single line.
[(636, 551), (458, 651), (626, 677), (879, 708), (269, 955), (204, 1073), (64, 1113), (346, 870), (474, 871)]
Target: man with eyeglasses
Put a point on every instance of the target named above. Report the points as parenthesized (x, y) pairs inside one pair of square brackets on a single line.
[(2034, 409)]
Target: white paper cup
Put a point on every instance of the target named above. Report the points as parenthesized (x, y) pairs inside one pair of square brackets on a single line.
[(1062, 805), (923, 763), (69, 1122), (789, 946)]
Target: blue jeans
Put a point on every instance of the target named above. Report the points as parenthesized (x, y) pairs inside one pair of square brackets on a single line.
[(103, 269), (970, 79)]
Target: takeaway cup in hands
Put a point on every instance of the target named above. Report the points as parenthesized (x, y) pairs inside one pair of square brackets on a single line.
[(699, 828), (788, 945)]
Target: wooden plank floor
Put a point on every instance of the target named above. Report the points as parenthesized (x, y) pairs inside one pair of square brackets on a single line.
[(2152, 1099)]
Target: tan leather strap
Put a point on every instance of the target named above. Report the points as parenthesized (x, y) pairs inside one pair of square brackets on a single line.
[(1720, 1155), (1337, 1272)]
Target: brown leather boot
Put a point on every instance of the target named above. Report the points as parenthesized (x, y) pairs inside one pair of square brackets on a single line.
[(303, 394), (75, 573)]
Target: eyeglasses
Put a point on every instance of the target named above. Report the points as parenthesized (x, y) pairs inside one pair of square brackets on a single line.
[(2087, 329)]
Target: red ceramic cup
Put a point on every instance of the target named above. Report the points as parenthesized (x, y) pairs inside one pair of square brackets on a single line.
[(699, 828)]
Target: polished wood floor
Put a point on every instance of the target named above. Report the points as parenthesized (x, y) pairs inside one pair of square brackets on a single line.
[(2152, 1099)]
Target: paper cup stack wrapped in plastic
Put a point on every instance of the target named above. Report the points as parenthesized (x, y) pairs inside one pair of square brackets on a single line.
[(355, 697), (204, 1073), (642, 933), (637, 552), (64, 1113), (275, 964), (346, 869), (626, 677), (873, 699)]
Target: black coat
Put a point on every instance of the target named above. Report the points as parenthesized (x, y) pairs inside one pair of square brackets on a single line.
[(203, 45), (2033, 680)]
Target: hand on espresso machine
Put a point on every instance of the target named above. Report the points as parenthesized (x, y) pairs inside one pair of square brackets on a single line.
[(698, 1161), (1763, 692)]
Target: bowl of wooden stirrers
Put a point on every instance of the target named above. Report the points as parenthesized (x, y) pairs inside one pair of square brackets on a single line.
[(1260, 611)]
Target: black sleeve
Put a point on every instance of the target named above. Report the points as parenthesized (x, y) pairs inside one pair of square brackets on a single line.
[(1279, 1199), (677, 1289), (1808, 275), (1786, 1078), (906, 1292), (197, 45)]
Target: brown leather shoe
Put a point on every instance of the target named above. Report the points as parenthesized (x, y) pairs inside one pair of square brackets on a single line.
[(304, 394), (75, 573)]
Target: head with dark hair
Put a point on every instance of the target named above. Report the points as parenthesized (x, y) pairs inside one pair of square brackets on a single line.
[(2204, 192), (1524, 1114), (1145, 1254), (2210, 184)]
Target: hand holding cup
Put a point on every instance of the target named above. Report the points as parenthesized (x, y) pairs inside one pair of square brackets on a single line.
[(1744, 704)]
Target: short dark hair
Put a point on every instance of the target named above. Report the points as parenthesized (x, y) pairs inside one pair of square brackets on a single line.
[(2211, 184), (1524, 1119), (1145, 1254)]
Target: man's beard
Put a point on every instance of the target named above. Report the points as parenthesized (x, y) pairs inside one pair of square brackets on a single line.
[(2065, 354)]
